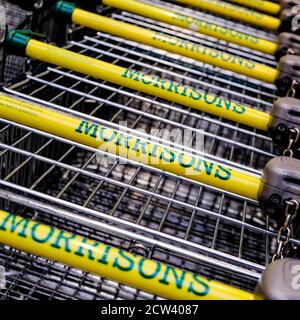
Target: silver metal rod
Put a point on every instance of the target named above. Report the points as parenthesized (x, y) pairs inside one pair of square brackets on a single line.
[(79, 93), (128, 161), (195, 67), (196, 37), (206, 16), (105, 227), (189, 112), (138, 134), (174, 74)]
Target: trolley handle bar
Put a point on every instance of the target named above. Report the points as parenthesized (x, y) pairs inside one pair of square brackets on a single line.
[(112, 263), (279, 183)]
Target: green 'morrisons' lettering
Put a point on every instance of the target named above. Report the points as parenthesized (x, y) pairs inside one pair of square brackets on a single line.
[(159, 83), (202, 164), (172, 274), (174, 87), (196, 48), (87, 129), (208, 167), (43, 238), (131, 74), (123, 141), (124, 262), (104, 258), (210, 99), (167, 155), (153, 151), (140, 146), (159, 36), (148, 275), (184, 92), (239, 108), (85, 247), (104, 138), (204, 25), (187, 164), (177, 89), (227, 103), (198, 166), (194, 286), (195, 94), (146, 80), (15, 224), (63, 241), (250, 64), (234, 8), (223, 173), (204, 51)]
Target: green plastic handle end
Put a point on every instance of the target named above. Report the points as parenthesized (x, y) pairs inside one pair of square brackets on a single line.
[(16, 41), (64, 10)]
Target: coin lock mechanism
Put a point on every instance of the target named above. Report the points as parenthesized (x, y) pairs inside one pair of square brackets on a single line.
[(280, 281), (288, 80), (284, 127), (288, 43), (290, 22), (280, 187)]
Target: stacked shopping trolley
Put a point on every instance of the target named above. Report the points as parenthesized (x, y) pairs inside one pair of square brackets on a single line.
[(87, 214)]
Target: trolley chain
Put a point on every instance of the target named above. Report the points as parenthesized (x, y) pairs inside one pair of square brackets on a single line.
[(293, 89), (290, 51), (284, 232), (294, 132), (293, 139)]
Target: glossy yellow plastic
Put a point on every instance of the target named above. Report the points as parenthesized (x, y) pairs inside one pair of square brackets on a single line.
[(171, 91), (260, 5), (176, 45), (126, 146), (236, 12), (191, 23), (112, 263)]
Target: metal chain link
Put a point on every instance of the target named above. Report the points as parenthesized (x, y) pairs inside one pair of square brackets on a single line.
[(292, 91), (290, 51), (284, 232), (293, 139), (39, 4)]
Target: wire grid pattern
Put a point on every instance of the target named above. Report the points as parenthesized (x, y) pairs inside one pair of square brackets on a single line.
[(14, 14), (204, 15), (14, 65), (164, 217)]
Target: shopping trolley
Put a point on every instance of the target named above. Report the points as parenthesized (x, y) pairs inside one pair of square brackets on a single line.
[(126, 205)]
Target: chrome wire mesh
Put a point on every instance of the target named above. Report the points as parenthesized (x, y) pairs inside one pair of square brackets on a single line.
[(192, 11), (131, 206), (14, 65)]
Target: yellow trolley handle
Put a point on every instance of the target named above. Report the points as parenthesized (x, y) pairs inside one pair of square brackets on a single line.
[(168, 90), (235, 12), (118, 265), (172, 44), (188, 22), (129, 147), (261, 5)]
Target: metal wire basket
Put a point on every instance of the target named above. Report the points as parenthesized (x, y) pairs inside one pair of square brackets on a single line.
[(150, 212), (13, 66)]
